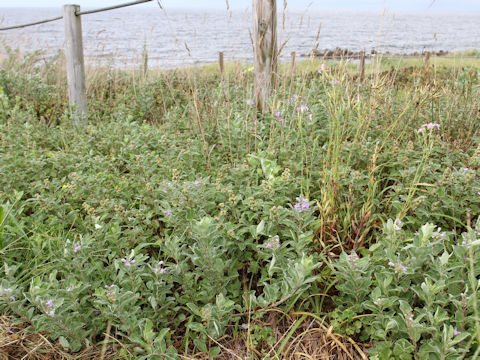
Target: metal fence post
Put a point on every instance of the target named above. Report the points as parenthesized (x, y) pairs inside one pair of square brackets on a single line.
[(77, 92), (265, 49)]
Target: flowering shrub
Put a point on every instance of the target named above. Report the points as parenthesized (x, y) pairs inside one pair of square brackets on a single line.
[(417, 296), (144, 247), (178, 211)]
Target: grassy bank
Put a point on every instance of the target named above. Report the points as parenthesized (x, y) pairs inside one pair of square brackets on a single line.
[(180, 224)]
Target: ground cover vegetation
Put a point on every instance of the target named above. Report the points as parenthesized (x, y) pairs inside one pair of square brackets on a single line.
[(179, 223)]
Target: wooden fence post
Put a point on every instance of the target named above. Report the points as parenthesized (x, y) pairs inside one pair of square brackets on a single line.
[(77, 92), (427, 59), (220, 63), (265, 49), (362, 66), (294, 63)]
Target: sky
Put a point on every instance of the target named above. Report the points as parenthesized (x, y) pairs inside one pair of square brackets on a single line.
[(417, 5)]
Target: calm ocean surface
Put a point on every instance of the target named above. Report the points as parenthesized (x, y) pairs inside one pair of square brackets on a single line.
[(177, 38)]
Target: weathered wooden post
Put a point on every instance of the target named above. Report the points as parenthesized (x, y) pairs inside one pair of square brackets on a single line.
[(427, 59), (220, 63), (265, 49), (77, 92), (294, 63), (362, 66)]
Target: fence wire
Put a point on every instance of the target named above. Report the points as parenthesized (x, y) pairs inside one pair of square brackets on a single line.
[(31, 24), (78, 14), (86, 12)]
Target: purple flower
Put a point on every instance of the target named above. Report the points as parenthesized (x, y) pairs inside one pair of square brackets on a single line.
[(251, 103), (399, 267), (196, 183), (97, 312), (302, 108), (465, 243), (428, 126), (158, 269), (301, 204), (273, 242), (128, 262), (168, 212), (279, 117), (50, 303), (12, 298), (397, 225), (11, 331), (295, 97), (76, 248), (167, 186), (323, 67), (456, 332), (335, 82)]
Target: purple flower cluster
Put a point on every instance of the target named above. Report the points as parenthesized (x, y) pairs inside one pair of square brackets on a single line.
[(128, 261), (397, 225), (428, 126), (166, 185), (302, 108), (76, 248), (399, 267), (301, 204), (50, 309), (159, 269), (273, 242), (322, 69), (278, 115)]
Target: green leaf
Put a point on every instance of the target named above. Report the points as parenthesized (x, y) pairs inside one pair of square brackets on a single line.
[(403, 349), (194, 326), (260, 228), (200, 344), (214, 351), (64, 342), (444, 258)]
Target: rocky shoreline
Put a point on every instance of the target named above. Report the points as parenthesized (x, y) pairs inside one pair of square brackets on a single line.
[(348, 54)]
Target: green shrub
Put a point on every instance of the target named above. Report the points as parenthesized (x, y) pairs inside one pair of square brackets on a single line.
[(415, 296)]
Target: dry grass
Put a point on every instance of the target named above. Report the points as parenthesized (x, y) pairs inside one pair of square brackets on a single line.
[(297, 336), (20, 341)]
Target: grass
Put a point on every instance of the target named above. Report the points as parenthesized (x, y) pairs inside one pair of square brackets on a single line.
[(179, 223)]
